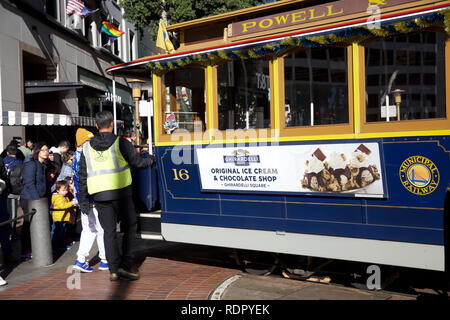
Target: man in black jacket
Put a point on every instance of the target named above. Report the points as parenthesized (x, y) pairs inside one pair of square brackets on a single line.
[(104, 174)]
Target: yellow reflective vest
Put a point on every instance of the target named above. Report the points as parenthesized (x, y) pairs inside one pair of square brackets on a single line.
[(106, 170)]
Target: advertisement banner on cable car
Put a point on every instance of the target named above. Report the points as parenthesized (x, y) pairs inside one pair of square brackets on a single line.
[(352, 169)]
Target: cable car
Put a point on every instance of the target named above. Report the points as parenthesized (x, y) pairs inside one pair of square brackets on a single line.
[(305, 128)]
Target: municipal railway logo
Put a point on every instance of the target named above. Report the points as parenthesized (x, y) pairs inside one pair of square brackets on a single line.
[(419, 175)]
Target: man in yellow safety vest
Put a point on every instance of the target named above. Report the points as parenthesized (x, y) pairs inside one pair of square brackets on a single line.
[(104, 173)]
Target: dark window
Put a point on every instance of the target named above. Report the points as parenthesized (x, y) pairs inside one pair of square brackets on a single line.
[(319, 54), (419, 71), (244, 94), (429, 37), (374, 57), (88, 30), (338, 76), (387, 58), (415, 58), (105, 40), (115, 43), (401, 39), (415, 38), (429, 79), (185, 98), (320, 74), (401, 79), (320, 86), (429, 58), (401, 58), (373, 80), (115, 47), (414, 79), (51, 8), (301, 74), (288, 73), (300, 55)]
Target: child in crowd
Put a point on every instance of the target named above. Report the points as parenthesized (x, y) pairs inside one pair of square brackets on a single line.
[(71, 230), (62, 214), (72, 191), (66, 170)]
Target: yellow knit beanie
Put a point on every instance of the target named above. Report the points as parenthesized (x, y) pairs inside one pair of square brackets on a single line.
[(82, 136)]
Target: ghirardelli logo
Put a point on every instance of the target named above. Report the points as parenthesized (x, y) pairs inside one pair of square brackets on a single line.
[(241, 157)]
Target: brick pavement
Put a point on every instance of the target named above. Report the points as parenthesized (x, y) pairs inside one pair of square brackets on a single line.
[(161, 279)]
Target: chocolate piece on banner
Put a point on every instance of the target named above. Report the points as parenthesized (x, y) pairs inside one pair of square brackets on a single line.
[(319, 154), (364, 149)]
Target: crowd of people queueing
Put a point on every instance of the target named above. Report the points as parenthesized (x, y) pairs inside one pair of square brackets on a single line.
[(96, 178), (50, 173)]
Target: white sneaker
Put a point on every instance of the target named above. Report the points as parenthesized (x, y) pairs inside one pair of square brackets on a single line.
[(2, 282)]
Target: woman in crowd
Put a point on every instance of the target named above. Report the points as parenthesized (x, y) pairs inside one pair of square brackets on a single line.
[(34, 180)]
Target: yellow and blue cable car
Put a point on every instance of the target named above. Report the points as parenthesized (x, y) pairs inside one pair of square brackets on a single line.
[(308, 128)]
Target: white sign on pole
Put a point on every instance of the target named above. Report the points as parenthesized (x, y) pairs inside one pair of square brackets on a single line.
[(114, 103), (392, 111), (145, 108)]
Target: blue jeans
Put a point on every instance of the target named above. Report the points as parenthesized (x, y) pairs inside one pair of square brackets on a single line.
[(58, 235)]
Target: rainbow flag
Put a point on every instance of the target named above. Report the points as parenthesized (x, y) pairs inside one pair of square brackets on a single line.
[(112, 32)]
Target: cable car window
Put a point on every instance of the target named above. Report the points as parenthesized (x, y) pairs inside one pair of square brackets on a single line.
[(244, 94), (412, 77), (319, 85), (185, 105)]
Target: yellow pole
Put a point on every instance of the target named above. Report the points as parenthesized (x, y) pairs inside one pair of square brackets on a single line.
[(275, 136), (157, 106), (136, 96), (210, 106), (276, 96), (356, 93)]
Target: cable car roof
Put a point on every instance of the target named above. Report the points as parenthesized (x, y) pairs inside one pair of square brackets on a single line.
[(339, 33)]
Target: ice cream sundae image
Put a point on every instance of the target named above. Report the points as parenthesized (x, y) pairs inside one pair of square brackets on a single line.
[(337, 173), (363, 173), (315, 177), (341, 176)]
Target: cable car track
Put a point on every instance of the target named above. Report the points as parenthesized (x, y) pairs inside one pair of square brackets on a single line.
[(411, 283)]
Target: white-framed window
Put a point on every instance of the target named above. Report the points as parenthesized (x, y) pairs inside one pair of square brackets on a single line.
[(91, 32), (115, 45), (132, 45), (51, 8)]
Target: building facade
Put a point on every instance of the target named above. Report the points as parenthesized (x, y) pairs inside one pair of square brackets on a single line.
[(52, 68)]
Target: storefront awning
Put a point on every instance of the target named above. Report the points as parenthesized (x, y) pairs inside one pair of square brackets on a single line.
[(18, 118), (93, 81), (45, 86)]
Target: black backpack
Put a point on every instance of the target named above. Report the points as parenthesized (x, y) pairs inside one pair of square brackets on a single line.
[(15, 178)]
